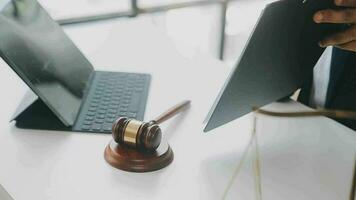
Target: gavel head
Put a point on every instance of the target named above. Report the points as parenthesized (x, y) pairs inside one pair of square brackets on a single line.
[(136, 134)]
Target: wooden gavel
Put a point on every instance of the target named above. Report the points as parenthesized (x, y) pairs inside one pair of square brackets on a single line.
[(143, 136)]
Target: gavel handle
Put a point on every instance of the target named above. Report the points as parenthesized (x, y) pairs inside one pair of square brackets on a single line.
[(172, 112)]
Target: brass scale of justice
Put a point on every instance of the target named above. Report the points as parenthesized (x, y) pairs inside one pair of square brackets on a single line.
[(139, 146)]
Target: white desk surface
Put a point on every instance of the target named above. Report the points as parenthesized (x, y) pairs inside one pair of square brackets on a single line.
[(301, 158)]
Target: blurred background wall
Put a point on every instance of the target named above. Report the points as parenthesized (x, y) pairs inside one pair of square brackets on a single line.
[(216, 28)]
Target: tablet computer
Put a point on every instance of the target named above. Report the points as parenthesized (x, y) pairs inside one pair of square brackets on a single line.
[(278, 58)]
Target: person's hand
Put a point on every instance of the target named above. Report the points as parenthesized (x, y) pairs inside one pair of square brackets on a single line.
[(346, 39)]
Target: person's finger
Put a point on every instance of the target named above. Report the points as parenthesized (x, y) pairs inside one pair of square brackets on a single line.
[(340, 37), (335, 16), (346, 3), (350, 46)]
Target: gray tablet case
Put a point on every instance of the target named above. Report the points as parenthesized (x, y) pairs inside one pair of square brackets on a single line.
[(278, 58)]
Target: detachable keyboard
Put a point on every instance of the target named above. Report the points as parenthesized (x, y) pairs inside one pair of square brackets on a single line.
[(113, 95)]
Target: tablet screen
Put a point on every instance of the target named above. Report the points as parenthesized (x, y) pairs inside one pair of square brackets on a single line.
[(38, 50)]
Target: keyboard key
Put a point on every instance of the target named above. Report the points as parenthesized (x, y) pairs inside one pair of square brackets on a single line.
[(85, 127), (100, 117), (123, 114), (90, 114), (93, 105), (123, 106), (99, 121), (131, 115), (96, 127), (92, 109), (115, 102), (98, 93), (87, 122), (112, 111), (101, 112), (107, 127), (117, 98), (89, 118), (104, 107), (110, 116), (113, 106), (110, 120)]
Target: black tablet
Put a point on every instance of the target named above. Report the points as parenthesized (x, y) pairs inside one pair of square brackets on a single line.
[(278, 58)]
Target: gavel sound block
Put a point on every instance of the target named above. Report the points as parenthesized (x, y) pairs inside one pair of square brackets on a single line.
[(139, 146)]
